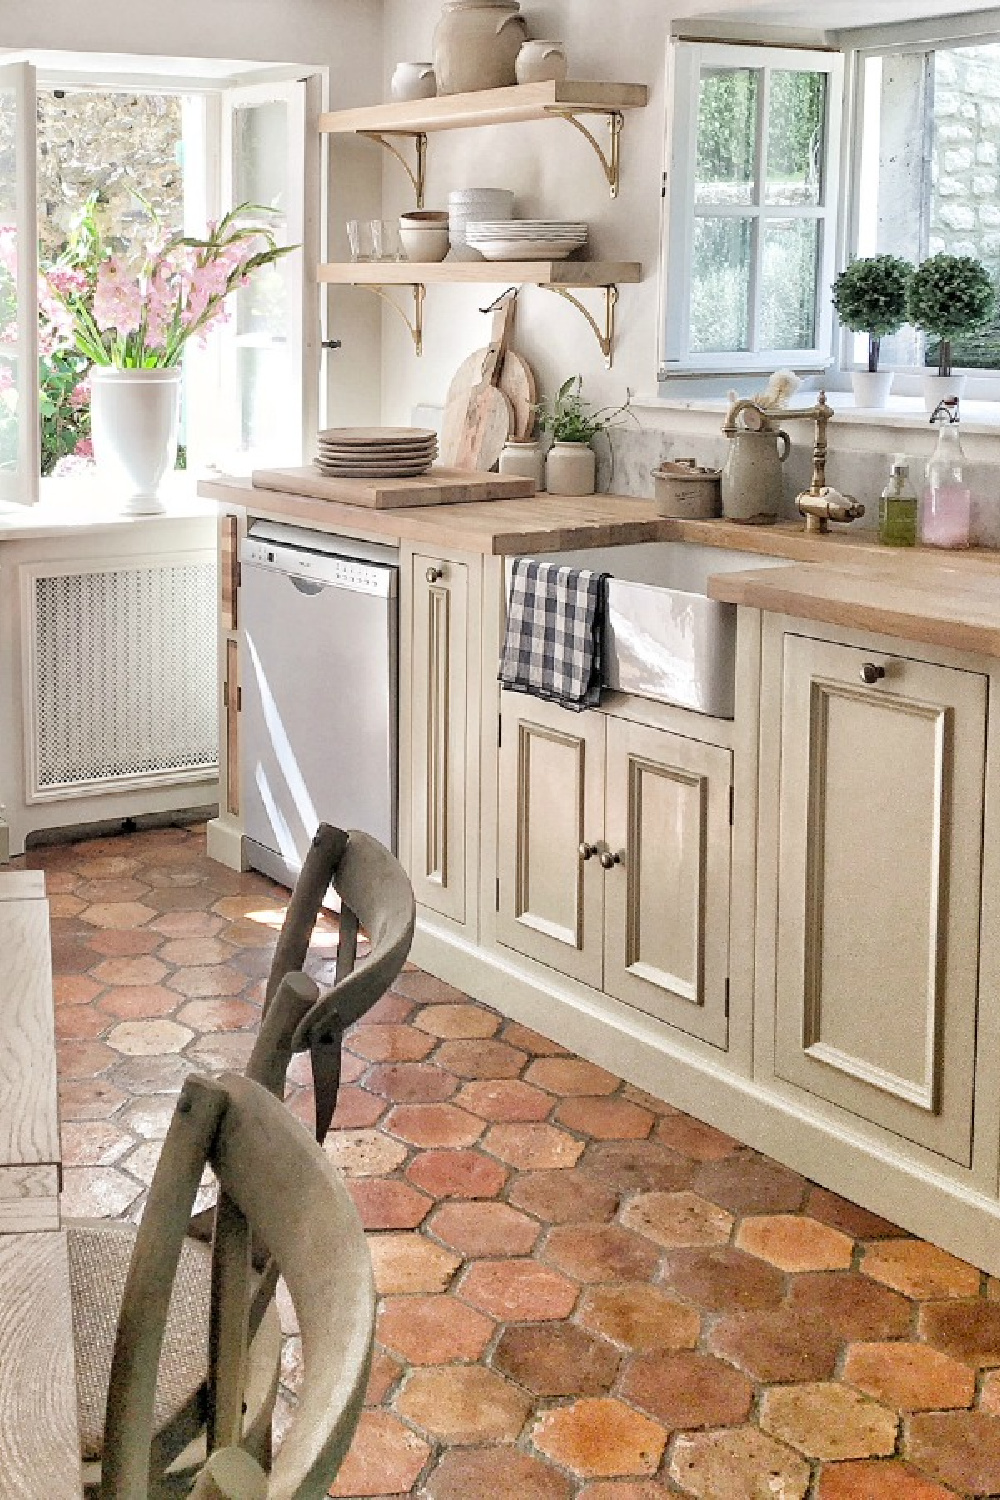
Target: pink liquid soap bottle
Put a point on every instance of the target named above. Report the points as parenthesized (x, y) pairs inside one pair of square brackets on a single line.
[(946, 512)]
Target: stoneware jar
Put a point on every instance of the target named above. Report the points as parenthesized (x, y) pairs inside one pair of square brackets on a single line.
[(476, 43), (751, 479), (571, 469), (525, 460), (413, 80), (541, 62)]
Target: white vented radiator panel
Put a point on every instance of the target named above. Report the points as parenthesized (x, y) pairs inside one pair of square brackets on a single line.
[(120, 675)]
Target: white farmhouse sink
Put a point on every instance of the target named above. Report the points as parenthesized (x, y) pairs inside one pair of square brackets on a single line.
[(665, 638)]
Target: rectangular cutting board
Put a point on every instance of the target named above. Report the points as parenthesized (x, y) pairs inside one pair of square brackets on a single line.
[(438, 487)]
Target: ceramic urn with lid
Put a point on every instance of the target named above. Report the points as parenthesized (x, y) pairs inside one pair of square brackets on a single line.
[(476, 43)]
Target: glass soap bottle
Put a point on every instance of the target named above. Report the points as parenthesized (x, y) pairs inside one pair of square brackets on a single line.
[(897, 509), (946, 513)]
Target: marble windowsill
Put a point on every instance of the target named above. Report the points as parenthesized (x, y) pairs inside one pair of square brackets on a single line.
[(906, 413)]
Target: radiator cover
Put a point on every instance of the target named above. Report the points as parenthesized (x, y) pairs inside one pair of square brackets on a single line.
[(119, 674)]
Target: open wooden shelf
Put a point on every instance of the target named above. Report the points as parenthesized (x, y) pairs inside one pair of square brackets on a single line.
[(576, 273), (525, 101)]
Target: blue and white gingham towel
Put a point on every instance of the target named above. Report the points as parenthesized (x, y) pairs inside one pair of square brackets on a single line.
[(555, 625)]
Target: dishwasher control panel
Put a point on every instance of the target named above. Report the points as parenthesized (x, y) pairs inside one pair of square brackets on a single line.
[(323, 569)]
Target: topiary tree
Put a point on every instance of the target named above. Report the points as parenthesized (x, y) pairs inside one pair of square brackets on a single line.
[(870, 297), (950, 295)]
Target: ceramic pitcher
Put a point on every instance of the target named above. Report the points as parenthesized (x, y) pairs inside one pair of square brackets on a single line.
[(476, 43), (413, 80), (540, 62), (751, 479)]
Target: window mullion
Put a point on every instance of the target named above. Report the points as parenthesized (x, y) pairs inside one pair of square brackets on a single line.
[(760, 177)]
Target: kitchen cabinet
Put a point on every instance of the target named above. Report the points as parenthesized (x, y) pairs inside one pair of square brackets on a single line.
[(614, 859), (439, 700), (876, 903)]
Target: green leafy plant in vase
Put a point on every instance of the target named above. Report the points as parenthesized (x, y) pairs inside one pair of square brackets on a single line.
[(571, 466), (870, 297), (948, 296)]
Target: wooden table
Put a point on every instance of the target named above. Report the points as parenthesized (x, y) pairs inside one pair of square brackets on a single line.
[(39, 1437)]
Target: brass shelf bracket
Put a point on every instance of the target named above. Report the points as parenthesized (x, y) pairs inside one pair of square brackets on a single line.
[(416, 328), (419, 137), (606, 336), (610, 160)]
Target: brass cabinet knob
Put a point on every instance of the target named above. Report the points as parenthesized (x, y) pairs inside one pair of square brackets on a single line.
[(434, 575), (871, 673), (587, 851), (609, 860)]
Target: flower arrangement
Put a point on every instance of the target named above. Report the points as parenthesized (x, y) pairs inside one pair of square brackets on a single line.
[(139, 316), (949, 295), (571, 419), (870, 297)]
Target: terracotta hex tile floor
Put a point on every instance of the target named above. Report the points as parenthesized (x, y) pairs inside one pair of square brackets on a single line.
[(583, 1293)]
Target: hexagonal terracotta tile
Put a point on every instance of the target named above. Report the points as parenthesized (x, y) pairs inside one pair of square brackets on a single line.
[(856, 1306), (919, 1270), (562, 1195), (76, 989), (433, 1126), (777, 1345), (829, 1421), (877, 1479), (484, 1229), (556, 1360), (433, 1330), (387, 1203), (605, 1119), (394, 1043), (571, 1075), (532, 1146), (457, 1174), (463, 1404), (143, 970), (720, 1279), (750, 1184), (531, 1041), (910, 1376), (130, 942), (485, 1059), (858, 1222), (412, 1083), (968, 1330), (410, 1263), (517, 1291), (735, 1465), (600, 1252), (692, 1138), (92, 1143), (637, 1167), (960, 1448), (117, 914), (599, 1436), (503, 1099), (96, 1192), (458, 1022), (795, 1242), (674, 1219), (686, 1390), (385, 1458), (472, 1474), (364, 1153), (639, 1316), (204, 981), (148, 1038), (138, 1002)]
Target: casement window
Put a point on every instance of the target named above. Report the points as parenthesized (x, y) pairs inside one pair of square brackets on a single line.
[(751, 193), (251, 395)]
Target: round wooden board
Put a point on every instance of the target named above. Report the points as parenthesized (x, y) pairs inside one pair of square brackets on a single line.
[(517, 381), (486, 425)]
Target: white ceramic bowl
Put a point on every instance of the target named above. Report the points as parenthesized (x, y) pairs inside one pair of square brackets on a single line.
[(424, 242), (465, 204)]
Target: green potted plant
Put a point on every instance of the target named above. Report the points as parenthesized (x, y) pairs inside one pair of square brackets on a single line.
[(870, 297), (571, 466), (948, 295)]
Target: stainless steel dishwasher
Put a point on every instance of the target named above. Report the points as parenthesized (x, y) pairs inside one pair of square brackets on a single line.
[(319, 691)]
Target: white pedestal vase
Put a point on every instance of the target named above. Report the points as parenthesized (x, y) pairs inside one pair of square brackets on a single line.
[(871, 388), (940, 388), (134, 416)]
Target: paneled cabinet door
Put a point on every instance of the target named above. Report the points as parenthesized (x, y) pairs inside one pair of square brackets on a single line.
[(439, 741), (667, 897), (551, 825), (878, 897)]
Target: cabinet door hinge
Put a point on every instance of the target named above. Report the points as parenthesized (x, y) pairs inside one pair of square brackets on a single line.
[(732, 806), (226, 697), (663, 186), (727, 999)]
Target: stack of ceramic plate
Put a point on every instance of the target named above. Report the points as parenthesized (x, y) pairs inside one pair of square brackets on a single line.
[(466, 204), (526, 239), (376, 452)]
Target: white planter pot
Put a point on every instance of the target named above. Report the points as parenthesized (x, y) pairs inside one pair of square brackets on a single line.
[(134, 417), (871, 388), (571, 469), (940, 388)]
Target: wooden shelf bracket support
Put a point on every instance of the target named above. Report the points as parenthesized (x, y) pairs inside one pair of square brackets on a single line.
[(610, 160), (417, 177), (416, 328), (605, 336)]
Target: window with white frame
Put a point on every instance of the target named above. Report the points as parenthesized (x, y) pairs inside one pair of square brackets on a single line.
[(251, 395), (751, 190), (927, 173)]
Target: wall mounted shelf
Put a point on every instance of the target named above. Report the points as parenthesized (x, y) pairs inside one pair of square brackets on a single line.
[(416, 119), (564, 277)]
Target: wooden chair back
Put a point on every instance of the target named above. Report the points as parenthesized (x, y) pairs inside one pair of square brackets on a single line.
[(275, 1184)]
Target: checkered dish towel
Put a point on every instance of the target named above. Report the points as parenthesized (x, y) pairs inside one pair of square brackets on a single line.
[(555, 625)]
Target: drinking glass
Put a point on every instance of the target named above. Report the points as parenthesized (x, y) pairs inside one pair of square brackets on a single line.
[(359, 237), (385, 240)]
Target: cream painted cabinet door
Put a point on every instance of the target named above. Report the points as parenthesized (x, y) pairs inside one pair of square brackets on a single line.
[(439, 748), (667, 898), (551, 822), (879, 877)]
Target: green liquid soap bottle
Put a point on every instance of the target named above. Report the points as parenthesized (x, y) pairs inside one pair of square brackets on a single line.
[(897, 509)]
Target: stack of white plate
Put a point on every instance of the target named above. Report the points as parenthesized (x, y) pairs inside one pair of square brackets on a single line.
[(465, 204), (526, 239), (376, 452)]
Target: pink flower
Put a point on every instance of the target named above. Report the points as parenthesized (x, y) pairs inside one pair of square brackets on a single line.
[(84, 448), (117, 299), (80, 395)]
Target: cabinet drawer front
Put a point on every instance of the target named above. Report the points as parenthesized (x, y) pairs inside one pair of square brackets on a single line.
[(439, 741), (551, 803), (879, 887), (667, 903)]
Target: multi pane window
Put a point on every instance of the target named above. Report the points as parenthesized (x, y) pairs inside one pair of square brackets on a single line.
[(752, 195)]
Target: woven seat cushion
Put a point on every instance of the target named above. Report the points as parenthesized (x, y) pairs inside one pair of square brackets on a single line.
[(99, 1256)]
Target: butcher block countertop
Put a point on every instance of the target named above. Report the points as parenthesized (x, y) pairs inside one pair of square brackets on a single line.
[(845, 578)]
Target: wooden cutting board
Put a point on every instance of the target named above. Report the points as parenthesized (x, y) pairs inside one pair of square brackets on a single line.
[(440, 486), (517, 381), (488, 414)]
